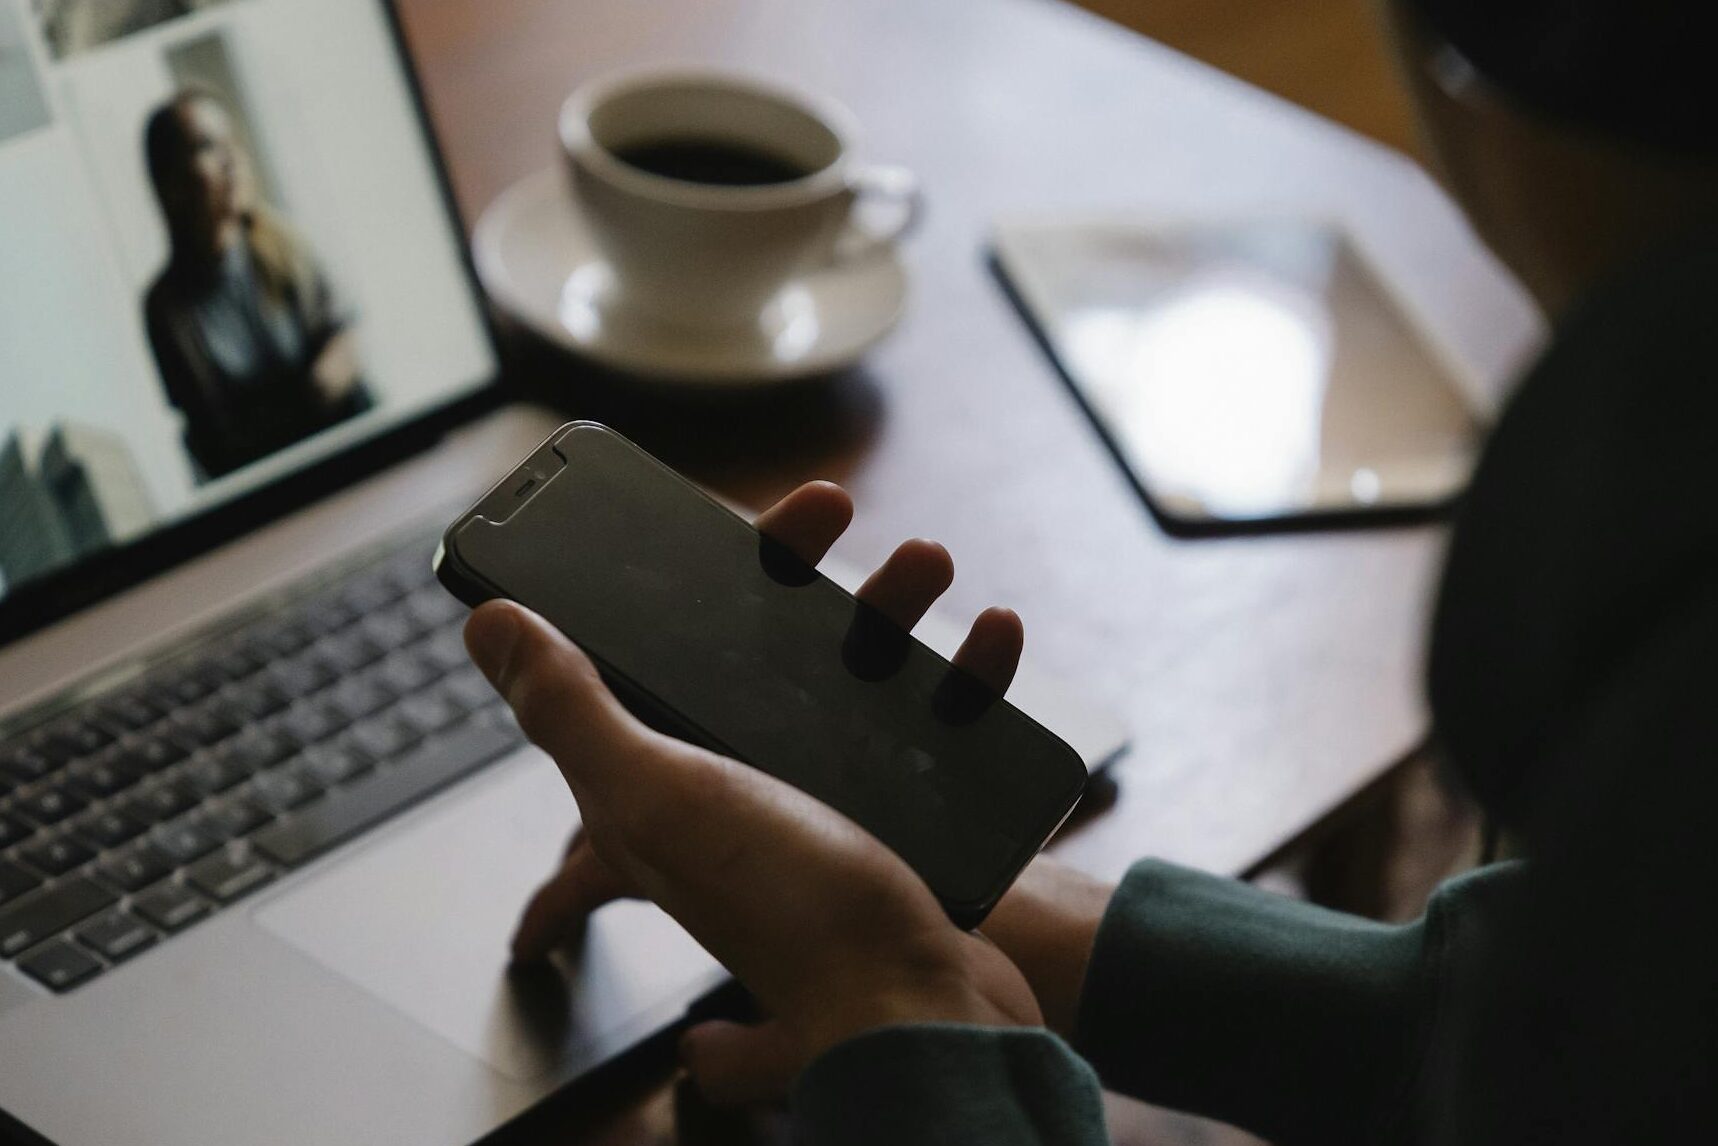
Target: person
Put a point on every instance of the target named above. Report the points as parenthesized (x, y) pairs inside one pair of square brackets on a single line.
[(1566, 994), (251, 347)]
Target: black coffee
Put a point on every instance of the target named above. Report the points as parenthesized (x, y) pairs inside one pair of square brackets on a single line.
[(711, 161)]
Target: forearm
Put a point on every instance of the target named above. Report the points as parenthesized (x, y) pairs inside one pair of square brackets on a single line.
[(1300, 1024)]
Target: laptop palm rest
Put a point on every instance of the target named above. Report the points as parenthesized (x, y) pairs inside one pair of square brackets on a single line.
[(420, 917)]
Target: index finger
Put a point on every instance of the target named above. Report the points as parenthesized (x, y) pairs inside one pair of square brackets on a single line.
[(809, 520)]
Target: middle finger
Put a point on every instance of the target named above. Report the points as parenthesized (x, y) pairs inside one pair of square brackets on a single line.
[(909, 582)]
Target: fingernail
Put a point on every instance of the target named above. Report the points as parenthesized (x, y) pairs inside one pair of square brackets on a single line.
[(490, 638)]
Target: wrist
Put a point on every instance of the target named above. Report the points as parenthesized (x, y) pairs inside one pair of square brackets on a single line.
[(904, 1005), (1047, 925)]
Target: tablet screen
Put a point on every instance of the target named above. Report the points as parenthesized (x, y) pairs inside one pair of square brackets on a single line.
[(1245, 373)]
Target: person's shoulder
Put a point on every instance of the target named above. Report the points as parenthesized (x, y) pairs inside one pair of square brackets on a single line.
[(158, 298), (1582, 519)]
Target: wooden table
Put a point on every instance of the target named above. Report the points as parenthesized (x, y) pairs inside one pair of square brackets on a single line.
[(1264, 680)]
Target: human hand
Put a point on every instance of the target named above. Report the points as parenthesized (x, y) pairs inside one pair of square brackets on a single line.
[(848, 938), (807, 522), (336, 370)]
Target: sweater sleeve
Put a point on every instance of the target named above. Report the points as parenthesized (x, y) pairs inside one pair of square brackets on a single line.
[(1297, 1023), (947, 1084)]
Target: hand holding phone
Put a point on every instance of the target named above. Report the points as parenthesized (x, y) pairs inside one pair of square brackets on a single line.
[(728, 640), (830, 930), (807, 522)]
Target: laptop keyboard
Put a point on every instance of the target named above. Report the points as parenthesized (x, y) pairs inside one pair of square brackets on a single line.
[(135, 812)]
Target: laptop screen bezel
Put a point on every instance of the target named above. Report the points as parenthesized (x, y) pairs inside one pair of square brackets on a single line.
[(40, 602)]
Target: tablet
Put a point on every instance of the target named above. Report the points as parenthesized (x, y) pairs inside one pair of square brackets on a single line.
[(1247, 376)]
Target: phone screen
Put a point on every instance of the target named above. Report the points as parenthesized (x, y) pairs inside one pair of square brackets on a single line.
[(771, 662)]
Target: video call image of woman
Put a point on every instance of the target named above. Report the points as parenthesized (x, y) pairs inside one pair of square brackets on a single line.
[(251, 347)]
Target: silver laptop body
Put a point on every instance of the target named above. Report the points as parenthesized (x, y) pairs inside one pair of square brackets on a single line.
[(356, 989)]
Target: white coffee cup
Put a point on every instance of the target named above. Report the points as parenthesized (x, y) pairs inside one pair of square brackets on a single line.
[(710, 255)]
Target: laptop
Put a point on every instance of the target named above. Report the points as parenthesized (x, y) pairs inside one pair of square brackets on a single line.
[(264, 832)]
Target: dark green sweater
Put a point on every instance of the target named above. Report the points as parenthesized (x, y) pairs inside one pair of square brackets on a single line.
[(1203, 994), (1568, 999)]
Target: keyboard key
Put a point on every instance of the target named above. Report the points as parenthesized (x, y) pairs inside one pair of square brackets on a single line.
[(137, 867), (134, 711), (60, 966), (468, 686), (100, 777), (13, 831), (191, 684), (304, 676), (429, 712), (383, 737), (57, 856), (336, 763), (225, 876), (357, 697), (306, 724), (186, 840), (170, 906), (406, 674), (433, 609), (391, 628), (376, 796), (151, 754), (106, 828), (210, 724), (159, 802), (445, 651), (26, 763), (350, 651), (328, 614), (74, 737), (116, 935), (258, 698), (50, 804), (251, 752), (238, 660), (233, 818), (27, 921), (284, 789), (15, 881), (214, 772)]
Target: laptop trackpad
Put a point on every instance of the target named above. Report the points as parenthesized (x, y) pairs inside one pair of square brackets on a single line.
[(422, 916)]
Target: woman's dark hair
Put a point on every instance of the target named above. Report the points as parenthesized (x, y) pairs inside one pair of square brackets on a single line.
[(1636, 70), (167, 149)]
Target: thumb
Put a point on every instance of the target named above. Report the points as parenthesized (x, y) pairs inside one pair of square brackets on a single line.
[(554, 690), (738, 1065)]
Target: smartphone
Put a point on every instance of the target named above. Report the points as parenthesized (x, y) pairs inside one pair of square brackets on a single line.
[(712, 632)]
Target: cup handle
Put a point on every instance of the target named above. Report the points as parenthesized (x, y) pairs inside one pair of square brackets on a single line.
[(897, 189)]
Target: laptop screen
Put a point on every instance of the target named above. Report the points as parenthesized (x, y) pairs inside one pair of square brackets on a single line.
[(224, 255)]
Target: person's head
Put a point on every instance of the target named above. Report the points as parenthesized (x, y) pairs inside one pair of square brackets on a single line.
[(198, 171), (1576, 133)]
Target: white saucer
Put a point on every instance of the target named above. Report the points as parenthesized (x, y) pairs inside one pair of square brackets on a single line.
[(538, 262)]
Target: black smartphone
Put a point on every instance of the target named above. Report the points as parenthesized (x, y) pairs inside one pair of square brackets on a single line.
[(712, 632)]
